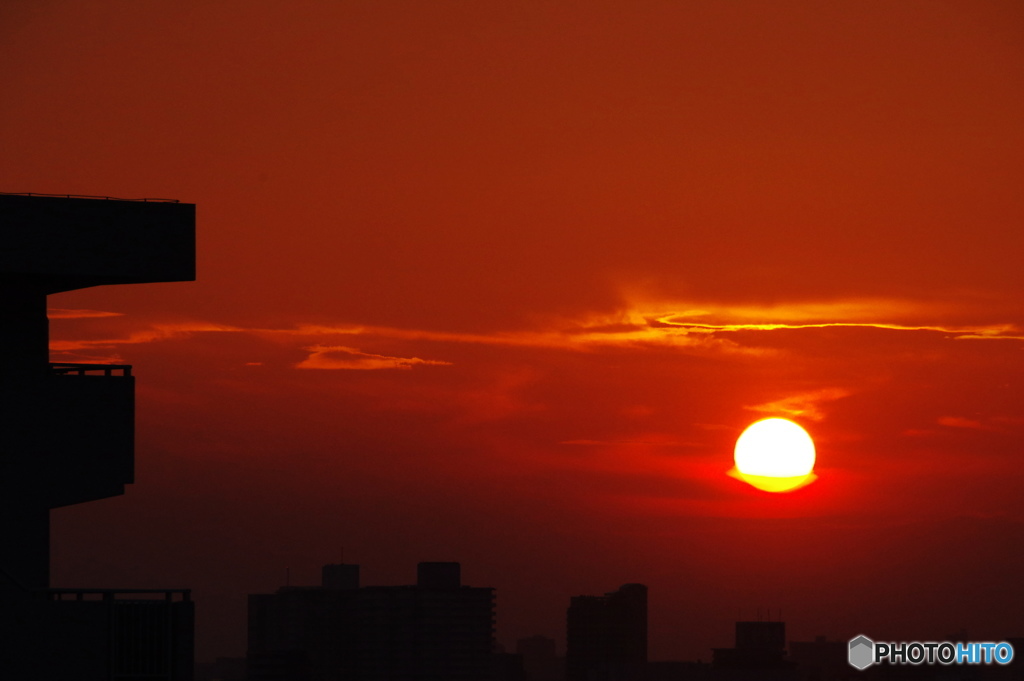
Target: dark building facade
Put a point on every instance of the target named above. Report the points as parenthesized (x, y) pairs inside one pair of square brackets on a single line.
[(822, 660), (760, 654), (540, 661), (606, 636), (67, 437), (435, 629)]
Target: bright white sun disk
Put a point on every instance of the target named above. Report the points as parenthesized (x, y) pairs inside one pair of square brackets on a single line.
[(775, 448)]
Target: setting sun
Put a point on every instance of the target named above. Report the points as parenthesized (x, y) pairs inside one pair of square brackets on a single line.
[(775, 455)]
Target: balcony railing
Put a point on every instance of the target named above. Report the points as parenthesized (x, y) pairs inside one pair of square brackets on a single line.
[(168, 595), (143, 633), (70, 369), (86, 196)]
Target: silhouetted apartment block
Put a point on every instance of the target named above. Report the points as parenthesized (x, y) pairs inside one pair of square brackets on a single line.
[(67, 437), (435, 629), (822, 660), (760, 653), (606, 636), (540, 661), (222, 669)]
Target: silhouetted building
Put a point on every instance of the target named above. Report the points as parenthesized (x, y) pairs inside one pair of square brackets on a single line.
[(606, 636), (822, 660), (674, 670), (760, 653), (539, 659), (67, 437), (507, 666), (436, 629), (222, 669)]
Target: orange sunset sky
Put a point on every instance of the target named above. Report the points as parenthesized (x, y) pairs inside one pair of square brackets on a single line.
[(502, 283)]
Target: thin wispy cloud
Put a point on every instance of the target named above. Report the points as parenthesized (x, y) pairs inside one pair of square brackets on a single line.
[(698, 329), (156, 332), (893, 315), (805, 405), (341, 357), (571, 335), (61, 313), (961, 422), (651, 442), (993, 332)]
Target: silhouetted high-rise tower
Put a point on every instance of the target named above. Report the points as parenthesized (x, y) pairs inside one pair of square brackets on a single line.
[(606, 636), (67, 430), (759, 646)]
